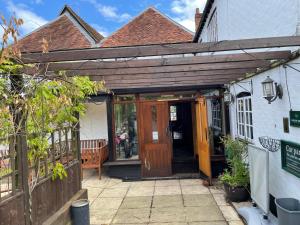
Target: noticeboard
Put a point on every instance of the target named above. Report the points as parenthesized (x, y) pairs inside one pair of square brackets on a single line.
[(290, 157), (295, 118)]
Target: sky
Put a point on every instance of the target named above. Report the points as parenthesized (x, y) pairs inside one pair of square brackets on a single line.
[(106, 16)]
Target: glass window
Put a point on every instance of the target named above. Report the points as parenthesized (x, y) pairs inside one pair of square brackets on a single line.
[(123, 98), (216, 114), (244, 117), (173, 113), (154, 124), (126, 139)]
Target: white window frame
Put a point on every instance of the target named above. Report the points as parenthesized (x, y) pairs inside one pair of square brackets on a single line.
[(244, 118), (212, 27), (216, 115)]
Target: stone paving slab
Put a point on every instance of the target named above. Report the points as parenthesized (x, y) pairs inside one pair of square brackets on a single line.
[(198, 200), (140, 191), (194, 189), (170, 214), (203, 213), (160, 202), (137, 202), (165, 201), (167, 190), (135, 216), (106, 203), (103, 216), (164, 183)]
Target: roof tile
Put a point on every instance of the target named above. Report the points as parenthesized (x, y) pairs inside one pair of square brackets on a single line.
[(151, 27)]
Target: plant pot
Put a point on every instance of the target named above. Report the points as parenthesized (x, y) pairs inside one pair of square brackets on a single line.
[(236, 194)]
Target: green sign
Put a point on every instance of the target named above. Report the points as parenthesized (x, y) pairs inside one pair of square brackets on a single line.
[(290, 157), (295, 118)]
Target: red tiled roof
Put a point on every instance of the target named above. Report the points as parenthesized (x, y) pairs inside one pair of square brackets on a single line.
[(151, 27), (93, 33), (63, 33)]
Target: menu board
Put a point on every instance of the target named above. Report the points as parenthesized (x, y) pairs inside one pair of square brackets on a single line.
[(290, 157)]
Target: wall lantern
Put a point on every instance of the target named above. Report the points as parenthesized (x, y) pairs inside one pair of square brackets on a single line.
[(271, 90), (228, 97)]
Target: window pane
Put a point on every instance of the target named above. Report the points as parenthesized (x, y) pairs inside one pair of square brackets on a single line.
[(126, 141), (154, 124), (173, 113), (122, 98)]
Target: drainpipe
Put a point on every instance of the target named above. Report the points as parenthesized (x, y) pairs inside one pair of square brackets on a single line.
[(298, 18)]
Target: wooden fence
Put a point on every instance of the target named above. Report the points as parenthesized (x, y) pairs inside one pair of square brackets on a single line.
[(18, 177)]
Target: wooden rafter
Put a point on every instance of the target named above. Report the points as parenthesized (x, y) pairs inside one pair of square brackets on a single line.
[(92, 65), (162, 49)]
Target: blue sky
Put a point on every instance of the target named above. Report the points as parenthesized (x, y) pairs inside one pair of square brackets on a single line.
[(106, 16)]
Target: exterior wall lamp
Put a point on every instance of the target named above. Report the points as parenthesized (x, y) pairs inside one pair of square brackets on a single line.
[(271, 90), (228, 98)]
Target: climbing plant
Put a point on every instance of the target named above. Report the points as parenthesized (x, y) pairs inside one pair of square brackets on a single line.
[(36, 104)]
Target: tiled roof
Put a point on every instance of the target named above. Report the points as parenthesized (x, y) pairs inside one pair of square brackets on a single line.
[(94, 34), (150, 27), (68, 31)]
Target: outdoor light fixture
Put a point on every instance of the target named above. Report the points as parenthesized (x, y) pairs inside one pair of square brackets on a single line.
[(228, 97), (271, 90)]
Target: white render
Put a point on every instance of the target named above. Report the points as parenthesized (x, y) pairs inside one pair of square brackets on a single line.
[(93, 125), (243, 19), (268, 121)]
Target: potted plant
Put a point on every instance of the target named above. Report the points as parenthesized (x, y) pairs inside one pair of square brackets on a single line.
[(236, 178)]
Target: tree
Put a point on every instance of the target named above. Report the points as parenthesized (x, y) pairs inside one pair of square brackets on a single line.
[(32, 106)]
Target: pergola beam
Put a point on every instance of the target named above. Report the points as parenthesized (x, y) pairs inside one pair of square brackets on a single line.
[(241, 57), (171, 69), (157, 50)]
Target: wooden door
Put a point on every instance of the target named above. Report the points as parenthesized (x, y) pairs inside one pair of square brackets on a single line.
[(203, 137), (155, 139)]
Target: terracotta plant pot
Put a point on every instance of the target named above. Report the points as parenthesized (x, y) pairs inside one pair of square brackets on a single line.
[(236, 194)]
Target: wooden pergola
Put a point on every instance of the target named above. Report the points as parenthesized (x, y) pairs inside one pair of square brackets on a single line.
[(202, 65)]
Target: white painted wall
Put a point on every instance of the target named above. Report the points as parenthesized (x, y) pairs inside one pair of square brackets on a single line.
[(268, 121), (93, 125), (242, 19)]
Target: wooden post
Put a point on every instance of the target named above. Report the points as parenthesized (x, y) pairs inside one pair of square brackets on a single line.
[(110, 128), (78, 148), (19, 118)]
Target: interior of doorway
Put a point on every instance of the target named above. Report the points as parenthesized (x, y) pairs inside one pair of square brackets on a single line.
[(181, 127)]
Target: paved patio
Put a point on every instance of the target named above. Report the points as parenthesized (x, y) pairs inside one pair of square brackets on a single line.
[(159, 202)]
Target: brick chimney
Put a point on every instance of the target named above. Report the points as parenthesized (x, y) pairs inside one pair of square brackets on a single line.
[(198, 17)]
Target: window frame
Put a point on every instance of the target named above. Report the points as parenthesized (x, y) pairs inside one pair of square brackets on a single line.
[(216, 115), (244, 117)]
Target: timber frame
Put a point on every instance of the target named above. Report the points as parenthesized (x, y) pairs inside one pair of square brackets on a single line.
[(162, 68)]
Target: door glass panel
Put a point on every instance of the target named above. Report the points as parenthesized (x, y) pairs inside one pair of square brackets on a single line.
[(154, 124), (173, 113), (126, 140)]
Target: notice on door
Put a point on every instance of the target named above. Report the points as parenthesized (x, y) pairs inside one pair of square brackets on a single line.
[(155, 136), (290, 156)]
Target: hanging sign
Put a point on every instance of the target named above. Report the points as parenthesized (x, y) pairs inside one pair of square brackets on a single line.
[(295, 118), (290, 157)]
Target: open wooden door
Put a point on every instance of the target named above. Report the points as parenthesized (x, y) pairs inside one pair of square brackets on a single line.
[(203, 137), (155, 139)]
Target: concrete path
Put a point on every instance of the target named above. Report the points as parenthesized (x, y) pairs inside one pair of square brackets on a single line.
[(159, 202)]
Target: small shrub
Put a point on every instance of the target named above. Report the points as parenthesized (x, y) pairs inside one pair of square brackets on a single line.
[(236, 153)]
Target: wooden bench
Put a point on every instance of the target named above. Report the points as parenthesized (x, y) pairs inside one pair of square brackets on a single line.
[(93, 154)]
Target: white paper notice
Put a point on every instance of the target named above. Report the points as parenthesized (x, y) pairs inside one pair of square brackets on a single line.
[(155, 136)]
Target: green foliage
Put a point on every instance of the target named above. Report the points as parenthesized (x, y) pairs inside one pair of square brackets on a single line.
[(236, 154), (47, 104), (4, 171), (59, 172)]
